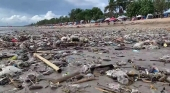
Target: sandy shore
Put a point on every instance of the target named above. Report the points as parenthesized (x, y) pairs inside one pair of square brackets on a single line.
[(139, 24)]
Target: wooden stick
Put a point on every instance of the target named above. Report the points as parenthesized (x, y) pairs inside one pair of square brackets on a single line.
[(84, 80), (35, 87), (146, 81), (47, 52), (100, 89), (56, 68), (16, 84), (62, 79)]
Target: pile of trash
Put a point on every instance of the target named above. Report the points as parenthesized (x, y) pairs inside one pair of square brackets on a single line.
[(70, 59)]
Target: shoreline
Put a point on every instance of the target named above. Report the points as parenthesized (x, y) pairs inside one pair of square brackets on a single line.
[(155, 23)]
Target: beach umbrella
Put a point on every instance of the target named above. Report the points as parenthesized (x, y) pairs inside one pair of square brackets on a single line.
[(139, 16), (166, 12), (92, 21), (121, 17), (107, 19), (81, 21), (99, 20), (112, 19)]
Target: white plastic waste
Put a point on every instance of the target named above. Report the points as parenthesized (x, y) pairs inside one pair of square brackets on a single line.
[(9, 70), (120, 75), (138, 45), (135, 91), (89, 75), (2, 65), (122, 80), (84, 68), (168, 79), (167, 70), (75, 85), (122, 63), (116, 73), (150, 47), (64, 38), (114, 86), (146, 71), (165, 57)]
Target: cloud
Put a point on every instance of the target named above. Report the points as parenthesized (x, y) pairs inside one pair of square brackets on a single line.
[(26, 19), (22, 12), (7, 12), (48, 16), (96, 3)]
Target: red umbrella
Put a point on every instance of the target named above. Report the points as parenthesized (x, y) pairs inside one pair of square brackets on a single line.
[(112, 19)]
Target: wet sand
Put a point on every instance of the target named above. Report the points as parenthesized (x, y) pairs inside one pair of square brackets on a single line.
[(104, 80)]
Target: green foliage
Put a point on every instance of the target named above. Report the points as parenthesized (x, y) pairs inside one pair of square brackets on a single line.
[(121, 4), (160, 6), (140, 7), (88, 14), (133, 8), (75, 15), (167, 4), (147, 7), (111, 7), (114, 5), (96, 13)]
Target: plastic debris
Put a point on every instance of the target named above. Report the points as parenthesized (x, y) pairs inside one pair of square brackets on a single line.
[(9, 70), (120, 75)]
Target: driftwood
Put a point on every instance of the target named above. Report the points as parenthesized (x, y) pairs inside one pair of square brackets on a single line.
[(35, 87), (47, 52), (56, 68), (16, 84), (103, 90), (103, 68), (62, 79), (84, 80), (69, 44), (106, 88)]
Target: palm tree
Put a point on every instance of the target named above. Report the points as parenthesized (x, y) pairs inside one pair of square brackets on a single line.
[(120, 5), (111, 7)]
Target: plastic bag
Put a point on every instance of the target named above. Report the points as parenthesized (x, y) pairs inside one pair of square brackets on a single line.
[(9, 70), (120, 75)]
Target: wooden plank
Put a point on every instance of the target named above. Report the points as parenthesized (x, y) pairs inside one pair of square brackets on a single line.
[(84, 80), (62, 79), (56, 68), (102, 90)]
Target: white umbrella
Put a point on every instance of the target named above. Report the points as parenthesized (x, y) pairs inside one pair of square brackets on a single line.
[(92, 21), (107, 19), (139, 16), (123, 16), (166, 12), (81, 21)]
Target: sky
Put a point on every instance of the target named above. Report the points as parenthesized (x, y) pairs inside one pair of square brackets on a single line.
[(23, 12)]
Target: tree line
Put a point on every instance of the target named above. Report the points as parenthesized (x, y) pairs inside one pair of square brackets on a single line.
[(75, 15), (114, 8)]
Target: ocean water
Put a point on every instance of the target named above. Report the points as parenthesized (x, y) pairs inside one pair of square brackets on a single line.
[(12, 29)]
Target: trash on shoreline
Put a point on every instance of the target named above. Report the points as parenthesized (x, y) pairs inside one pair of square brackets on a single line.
[(118, 59)]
